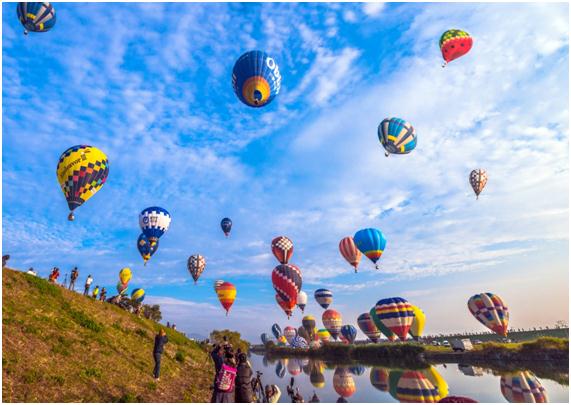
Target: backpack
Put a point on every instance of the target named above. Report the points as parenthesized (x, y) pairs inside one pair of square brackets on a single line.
[(225, 378)]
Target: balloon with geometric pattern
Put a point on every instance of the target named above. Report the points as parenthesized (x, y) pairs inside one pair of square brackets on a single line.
[(36, 17), (196, 265), (397, 136), (256, 78), (154, 222), (290, 333), (523, 386), (379, 378), (478, 180), (323, 335), (217, 284), (489, 309), (81, 172), (286, 279), (286, 306), (454, 44), (282, 248)]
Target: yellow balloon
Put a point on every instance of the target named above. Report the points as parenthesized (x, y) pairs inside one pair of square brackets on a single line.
[(125, 275), (437, 380), (417, 326), (81, 172)]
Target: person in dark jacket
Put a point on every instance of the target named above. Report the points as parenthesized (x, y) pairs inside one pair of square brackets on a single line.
[(244, 391), (160, 340), (228, 396)]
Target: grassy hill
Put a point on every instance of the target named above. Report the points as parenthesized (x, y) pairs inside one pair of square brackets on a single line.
[(59, 346)]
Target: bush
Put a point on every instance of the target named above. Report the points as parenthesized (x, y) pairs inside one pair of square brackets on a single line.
[(92, 372), (142, 333), (179, 356), (82, 319), (44, 287), (128, 397)]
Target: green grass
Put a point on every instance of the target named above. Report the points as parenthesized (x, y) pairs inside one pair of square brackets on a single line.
[(179, 356)]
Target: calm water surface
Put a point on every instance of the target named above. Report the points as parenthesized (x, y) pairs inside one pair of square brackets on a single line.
[(374, 384)]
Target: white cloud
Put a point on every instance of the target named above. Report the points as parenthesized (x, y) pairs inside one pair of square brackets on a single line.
[(373, 9)]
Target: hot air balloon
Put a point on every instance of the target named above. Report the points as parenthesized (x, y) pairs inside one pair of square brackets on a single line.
[(379, 378), (282, 248), (457, 400), (299, 343), (396, 314), (145, 248), (523, 386), (371, 242), (343, 382), (281, 368), (380, 326), (226, 295), (491, 311), (308, 323), (226, 225), (138, 295), (286, 279), (276, 330), (417, 326), (125, 275), (290, 333), (394, 377), (332, 321), (357, 370), (282, 340), (324, 335), (303, 333), (436, 379), (265, 338), (287, 306), (256, 78), (316, 377), (122, 288), (350, 252), (294, 367), (217, 284), (343, 340), (196, 265), (368, 327), (301, 300), (36, 17), (453, 44), (478, 180), (413, 386), (81, 172), (154, 222), (323, 297), (397, 136), (349, 332)]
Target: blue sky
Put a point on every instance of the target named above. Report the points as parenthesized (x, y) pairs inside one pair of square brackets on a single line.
[(150, 85)]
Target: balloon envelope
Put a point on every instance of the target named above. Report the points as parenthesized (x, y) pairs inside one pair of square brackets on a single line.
[(454, 44), (522, 386), (146, 250), (226, 225), (138, 295), (478, 180), (343, 382), (368, 327), (491, 311), (396, 314), (276, 330), (349, 332), (350, 252), (323, 297), (36, 17), (125, 275), (282, 248), (332, 321), (418, 323), (226, 295), (196, 265), (256, 78), (413, 386), (371, 242), (324, 335), (301, 300), (382, 328), (397, 136), (154, 222)]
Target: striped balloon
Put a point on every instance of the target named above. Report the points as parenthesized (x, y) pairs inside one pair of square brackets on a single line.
[(122, 288), (299, 343), (349, 332), (357, 370), (371, 242), (36, 16), (226, 295), (380, 326), (323, 297), (350, 252), (368, 327), (491, 311), (332, 321), (379, 378), (396, 314), (413, 386), (286, 279), (276, 330), (138, 295), (343, 382), (282, 248), (324, 335), (478, 179), (523, 386), (397, 136)]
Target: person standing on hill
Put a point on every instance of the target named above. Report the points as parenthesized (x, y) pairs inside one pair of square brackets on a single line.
[(54, 275), (95, 292), (103, 294), (74, 276), (87, 284), (225, 379), (160, 340)]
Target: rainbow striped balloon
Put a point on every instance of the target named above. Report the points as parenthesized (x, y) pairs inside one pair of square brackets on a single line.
[(413, 386), (396, 314)]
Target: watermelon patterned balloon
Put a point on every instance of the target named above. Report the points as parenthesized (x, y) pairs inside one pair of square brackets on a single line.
[(396, 314), (454, 44), (491, 311)]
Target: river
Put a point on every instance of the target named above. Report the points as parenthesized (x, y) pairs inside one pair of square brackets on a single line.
[(374, 384)]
